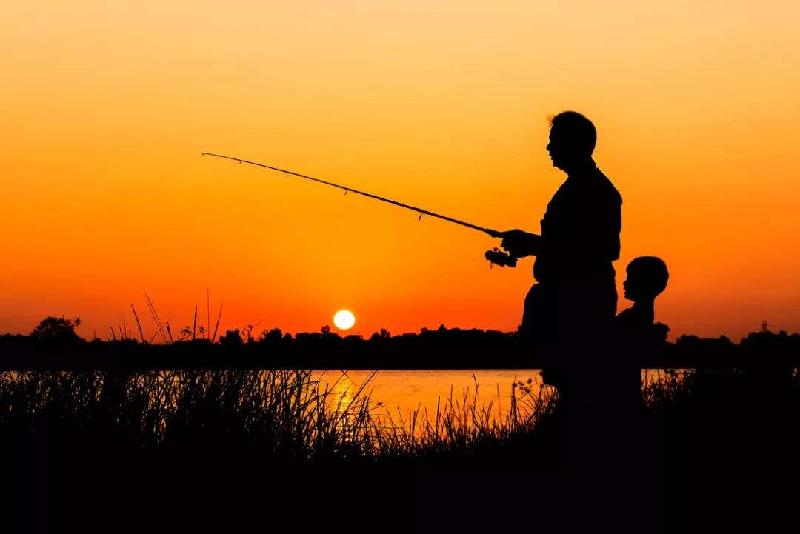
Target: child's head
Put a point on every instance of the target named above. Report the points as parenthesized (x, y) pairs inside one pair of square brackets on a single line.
[(647, 277)]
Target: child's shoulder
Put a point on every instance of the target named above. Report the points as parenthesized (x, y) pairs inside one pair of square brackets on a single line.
[(628, 320), (659, 332), (634, 326)]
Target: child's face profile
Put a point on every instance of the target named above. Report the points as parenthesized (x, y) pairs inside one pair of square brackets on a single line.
[(632, 286)]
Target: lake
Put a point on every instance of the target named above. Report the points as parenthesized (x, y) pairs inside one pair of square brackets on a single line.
[(397, 395), (400, 393)]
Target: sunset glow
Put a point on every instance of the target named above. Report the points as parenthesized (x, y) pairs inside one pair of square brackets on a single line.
[(107, 106)]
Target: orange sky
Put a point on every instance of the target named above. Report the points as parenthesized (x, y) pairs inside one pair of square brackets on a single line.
[(106, 109)]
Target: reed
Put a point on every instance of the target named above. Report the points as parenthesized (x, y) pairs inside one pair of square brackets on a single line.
[(291, 414), (281, 413)]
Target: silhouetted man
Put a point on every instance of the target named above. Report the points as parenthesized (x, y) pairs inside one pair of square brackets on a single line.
[(569, 313), (575, 298)]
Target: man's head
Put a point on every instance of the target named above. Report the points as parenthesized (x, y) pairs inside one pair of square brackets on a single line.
[(572, 139), (647, 278)]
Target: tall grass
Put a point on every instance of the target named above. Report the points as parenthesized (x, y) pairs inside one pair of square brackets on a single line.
[(277, 413), (464, 423), (288, 414)]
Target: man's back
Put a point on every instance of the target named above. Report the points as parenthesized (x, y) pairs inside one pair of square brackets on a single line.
[(580, 231)]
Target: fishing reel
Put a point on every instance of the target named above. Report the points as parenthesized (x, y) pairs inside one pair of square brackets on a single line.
[(498, 257)]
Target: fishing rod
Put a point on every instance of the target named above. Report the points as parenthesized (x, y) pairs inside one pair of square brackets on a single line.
[(495, 256)]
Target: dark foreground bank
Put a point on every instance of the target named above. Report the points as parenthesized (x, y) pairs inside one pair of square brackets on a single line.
[(709, 451)]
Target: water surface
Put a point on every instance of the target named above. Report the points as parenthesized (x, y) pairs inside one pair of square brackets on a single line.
[(400, 393)]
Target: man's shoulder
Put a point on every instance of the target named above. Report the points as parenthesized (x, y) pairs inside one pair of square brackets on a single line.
[(608, 187), (597, 191)]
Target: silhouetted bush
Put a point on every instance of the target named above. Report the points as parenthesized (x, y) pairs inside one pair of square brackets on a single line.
[(57, 331)]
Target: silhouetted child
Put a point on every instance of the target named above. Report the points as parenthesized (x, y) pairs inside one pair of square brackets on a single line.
[(627, 442), (647, 277), (637, 336)]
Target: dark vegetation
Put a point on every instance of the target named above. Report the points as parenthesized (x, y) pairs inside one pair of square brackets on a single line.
[(712, 451), (85, 448), (730, 443), (117, 449), (55, 345)]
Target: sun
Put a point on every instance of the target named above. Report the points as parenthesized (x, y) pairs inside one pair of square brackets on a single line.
[(344, 319)]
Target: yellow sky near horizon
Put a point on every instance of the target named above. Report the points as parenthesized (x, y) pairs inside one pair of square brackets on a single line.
[(107, 106)]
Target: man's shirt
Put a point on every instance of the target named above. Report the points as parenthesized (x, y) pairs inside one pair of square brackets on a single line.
[(580, 231)]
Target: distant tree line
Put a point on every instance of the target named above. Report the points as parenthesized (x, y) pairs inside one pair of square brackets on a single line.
[(54, 344)]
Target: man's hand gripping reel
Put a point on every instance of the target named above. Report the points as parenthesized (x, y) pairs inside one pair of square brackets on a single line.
[(497, 256), (514, 245)]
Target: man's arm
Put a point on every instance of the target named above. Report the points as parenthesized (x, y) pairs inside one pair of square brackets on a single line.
[(520, 243)]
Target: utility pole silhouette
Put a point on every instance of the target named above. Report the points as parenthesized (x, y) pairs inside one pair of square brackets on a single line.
[(764, 326)]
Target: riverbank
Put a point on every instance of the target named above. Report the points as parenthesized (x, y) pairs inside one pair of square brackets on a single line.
[(709, 451)]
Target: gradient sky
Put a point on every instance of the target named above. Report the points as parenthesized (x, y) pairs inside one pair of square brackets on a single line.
[(107, 106)]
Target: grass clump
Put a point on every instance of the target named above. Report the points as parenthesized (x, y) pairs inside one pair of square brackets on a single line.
[(278, 414)]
